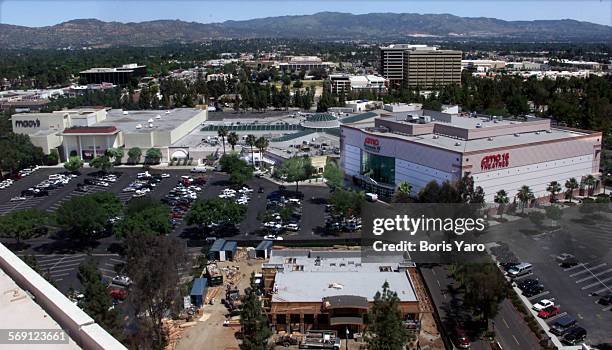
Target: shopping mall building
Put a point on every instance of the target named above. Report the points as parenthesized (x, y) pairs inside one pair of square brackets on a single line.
[(89, 132), (419, 146)]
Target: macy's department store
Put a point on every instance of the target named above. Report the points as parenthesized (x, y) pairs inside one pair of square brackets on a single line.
[(381, 152)]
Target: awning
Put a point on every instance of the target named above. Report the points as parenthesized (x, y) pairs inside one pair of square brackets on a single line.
[(335, 321), (345, 301)]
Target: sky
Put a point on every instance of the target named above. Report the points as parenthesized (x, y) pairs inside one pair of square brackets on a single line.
[(37, 13)]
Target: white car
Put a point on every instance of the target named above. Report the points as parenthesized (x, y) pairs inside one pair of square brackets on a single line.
[(138, 194), (242, 202), (122, 280), (273, 238), (228, 191), (542, 304), (143, 175), (225, 196), (292, 227), (165, 175), (18, 198), (129, 189), (102, 183)]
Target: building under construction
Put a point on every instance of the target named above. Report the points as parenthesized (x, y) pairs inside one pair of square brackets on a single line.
[(332, 289)]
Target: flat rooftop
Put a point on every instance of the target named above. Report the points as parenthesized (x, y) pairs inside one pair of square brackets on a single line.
[(462, 146), (314, 286), (168, 120), (25, 313)]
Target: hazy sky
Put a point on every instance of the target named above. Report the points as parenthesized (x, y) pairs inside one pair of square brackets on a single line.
[(49, 12)]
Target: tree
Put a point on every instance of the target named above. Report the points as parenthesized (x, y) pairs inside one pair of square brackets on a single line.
[(571, 185), (143, 216), (253, 320), (554, 188), (153, 264), (33, 263), (18, 152), (134, 155), (554, 213), (485, 288), (73, 164), (333, 175), (205, 212), (346, 202), (501, 198), (590, 182), (116, 154), (222, 133), (23, 224), (153, 156), (402, 193), (96, 300), (262, 144), (240, 171), (86, 217), (232, 139), (296, 169), (102, 163), (524, 195), (385, 330), (250, 140)]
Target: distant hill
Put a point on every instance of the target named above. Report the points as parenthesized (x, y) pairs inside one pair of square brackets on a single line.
[(323, 26)]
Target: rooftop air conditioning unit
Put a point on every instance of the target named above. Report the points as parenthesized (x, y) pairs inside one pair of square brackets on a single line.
[(167, 112), (490, 139), (457, 143), (436, 137), (125, 112), (138, 126), (517, 135), (549, 131), (479, 125), (158, 117)]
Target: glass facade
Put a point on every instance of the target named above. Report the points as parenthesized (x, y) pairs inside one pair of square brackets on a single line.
[(378, 168)]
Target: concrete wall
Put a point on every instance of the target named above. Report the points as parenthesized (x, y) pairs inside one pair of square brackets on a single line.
[(45, 121), (46, 142)]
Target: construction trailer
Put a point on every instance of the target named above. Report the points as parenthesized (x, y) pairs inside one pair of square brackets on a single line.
[(222, 250), (263, 249), (198, 291)]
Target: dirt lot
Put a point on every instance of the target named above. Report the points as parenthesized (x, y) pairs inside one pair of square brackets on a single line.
[(209, 332)]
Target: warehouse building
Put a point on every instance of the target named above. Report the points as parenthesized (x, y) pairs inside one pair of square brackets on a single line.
[(420, 146), (332, 290)]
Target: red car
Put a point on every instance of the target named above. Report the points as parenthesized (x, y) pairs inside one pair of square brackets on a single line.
[(461, 340), (549, 312), (118, 294), (176, 215)]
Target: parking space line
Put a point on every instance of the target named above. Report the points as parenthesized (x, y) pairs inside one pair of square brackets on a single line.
[(539, 295), (574, 267), (62, 270), (73, 264), (602, 282), (595, 275), (59, 274), (606, 288), (586, 269)]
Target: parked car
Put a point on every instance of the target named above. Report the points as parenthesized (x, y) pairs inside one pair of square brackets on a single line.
[(122, 280), (562, 325), (549, 312), (460, 339), (18, 198), (574, 336), (273, 238), (118, 293), (542, 304), (606, 299), (533, 291)]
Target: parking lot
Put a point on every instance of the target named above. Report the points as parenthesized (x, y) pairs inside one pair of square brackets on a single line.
[(575, 288)]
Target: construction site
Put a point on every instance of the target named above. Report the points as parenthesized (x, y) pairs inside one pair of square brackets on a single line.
[(315, 298)]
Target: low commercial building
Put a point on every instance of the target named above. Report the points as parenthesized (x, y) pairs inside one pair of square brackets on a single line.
[(332, 290), (345, 83), (304, 63), (381, 152), (89, 132), (118, 76), (223, 250), (45, 129)]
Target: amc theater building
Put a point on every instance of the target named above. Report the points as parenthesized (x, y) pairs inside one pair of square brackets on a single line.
[(380, 152)]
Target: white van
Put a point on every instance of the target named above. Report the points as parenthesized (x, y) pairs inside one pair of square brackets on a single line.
[(519, 270), (371, 197), (198, 169)]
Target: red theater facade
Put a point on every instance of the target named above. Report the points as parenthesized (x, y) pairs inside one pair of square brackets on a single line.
[(499, 154)]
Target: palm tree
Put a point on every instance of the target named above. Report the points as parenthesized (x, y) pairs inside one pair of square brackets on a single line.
[(553, 187), (261, 144), (232, 139), (250, 140), (524, 195), (501, 198), (589, 182), (571, 186), (222, 133), (402, 194)]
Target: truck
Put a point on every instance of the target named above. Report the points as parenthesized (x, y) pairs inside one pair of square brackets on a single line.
[(320, 340)]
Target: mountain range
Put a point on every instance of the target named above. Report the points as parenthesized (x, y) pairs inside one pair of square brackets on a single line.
[(321, 26)]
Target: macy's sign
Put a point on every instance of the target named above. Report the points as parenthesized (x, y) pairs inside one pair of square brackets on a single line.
[(494, 161)]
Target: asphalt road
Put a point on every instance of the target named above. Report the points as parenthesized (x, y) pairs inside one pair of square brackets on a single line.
[(511, 331)]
